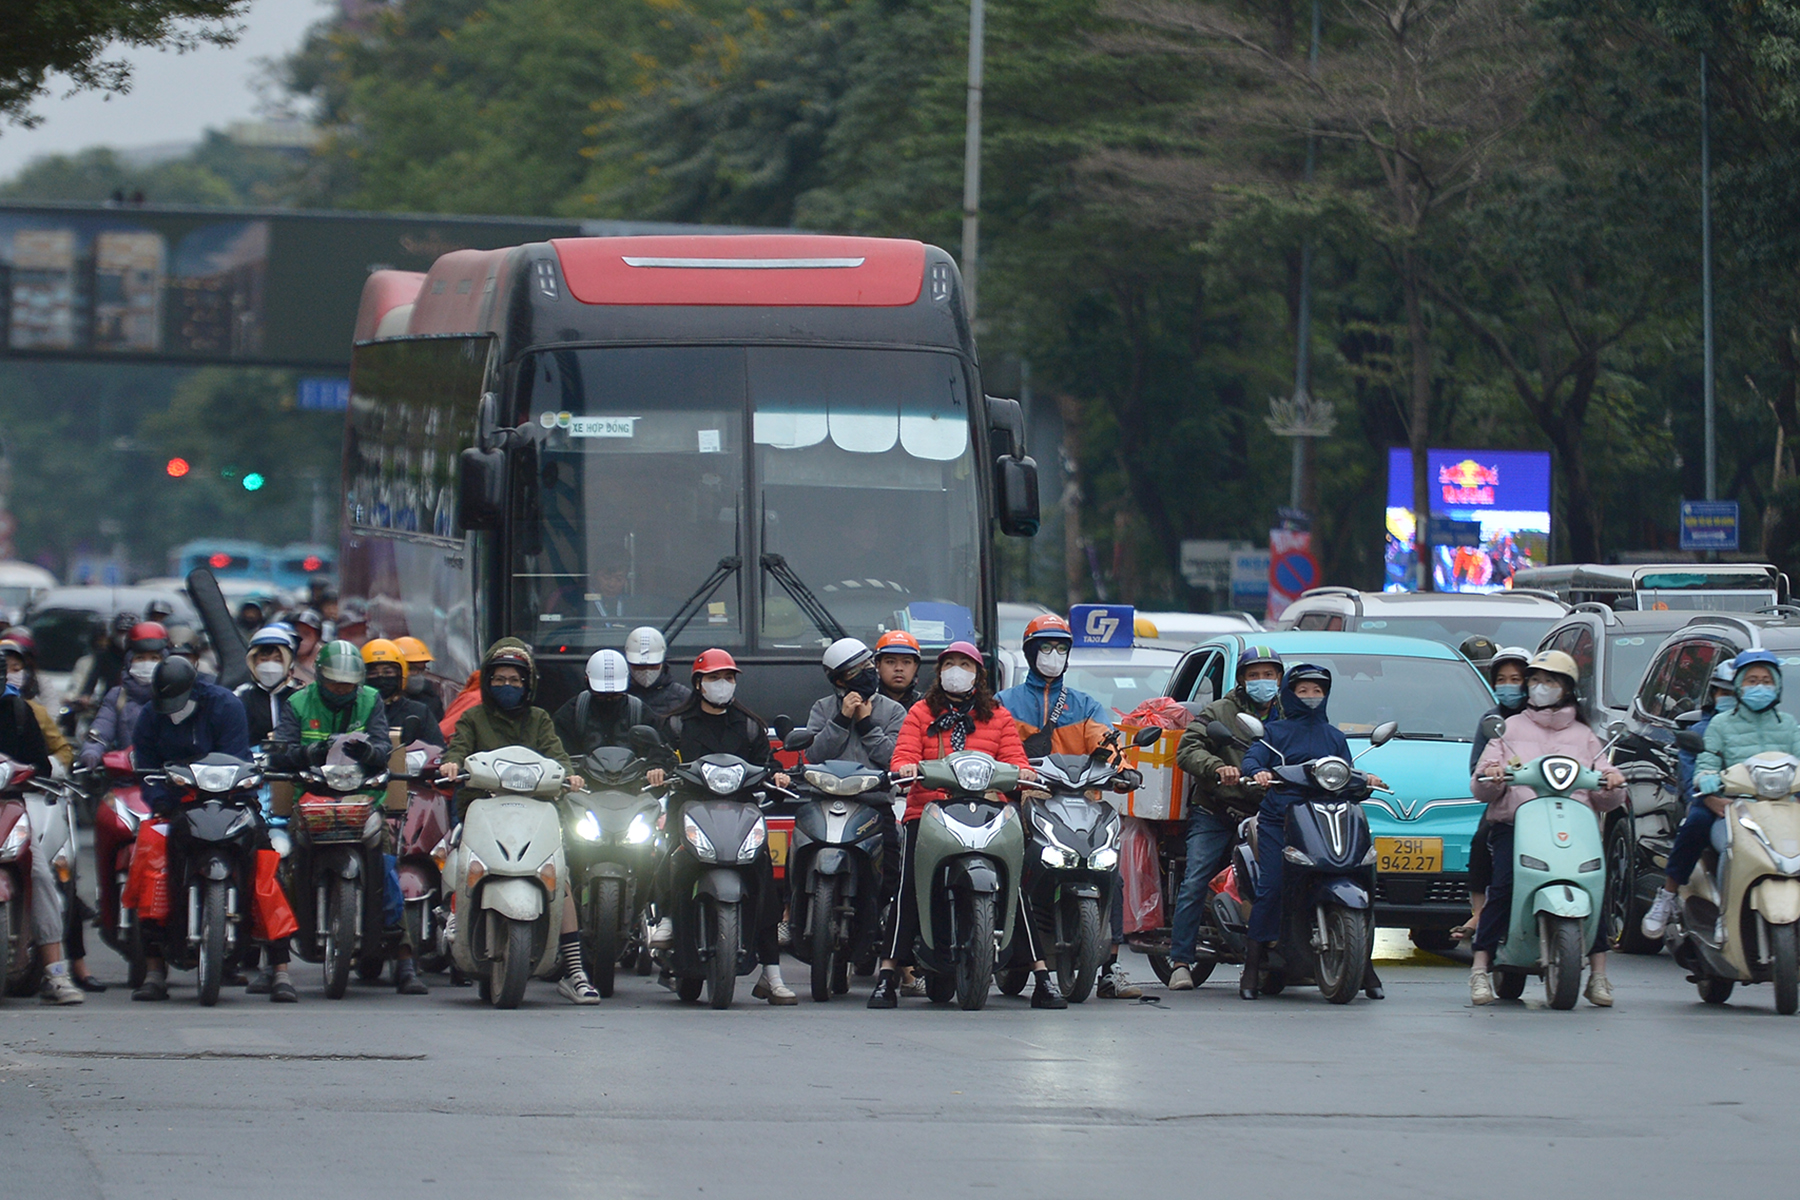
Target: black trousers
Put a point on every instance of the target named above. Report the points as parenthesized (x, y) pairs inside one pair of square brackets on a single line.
[(905, 930)]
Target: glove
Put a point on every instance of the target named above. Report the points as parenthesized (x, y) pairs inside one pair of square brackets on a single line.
[(363, 754), (92, 756), (317, 752)]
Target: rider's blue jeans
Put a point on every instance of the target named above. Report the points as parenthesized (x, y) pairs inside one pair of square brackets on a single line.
[(1208, 846)]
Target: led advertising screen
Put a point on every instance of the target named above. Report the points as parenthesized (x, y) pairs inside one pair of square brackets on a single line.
[(1490, 517)]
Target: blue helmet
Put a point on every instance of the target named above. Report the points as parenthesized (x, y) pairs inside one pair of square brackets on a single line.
[(1755, 658), (276, 633)]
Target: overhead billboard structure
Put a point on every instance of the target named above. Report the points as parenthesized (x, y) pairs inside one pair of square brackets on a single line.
[(254, 287), (1490, 517)]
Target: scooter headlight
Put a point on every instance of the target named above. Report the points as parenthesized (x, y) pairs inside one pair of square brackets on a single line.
[(641, 829), (587, 828), (1772, 783), (1104, 859), (754, 841), (339, 777), (702, 845), (521, 778), (15, 842), (218, 778), (722, 780), (1055, 857), (973, 774), (1331, 774)]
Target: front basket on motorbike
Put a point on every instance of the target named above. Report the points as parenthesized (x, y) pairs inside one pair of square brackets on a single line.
[(334, 820)]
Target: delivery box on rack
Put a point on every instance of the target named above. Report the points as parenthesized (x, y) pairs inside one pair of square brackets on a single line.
[(1165, 784)]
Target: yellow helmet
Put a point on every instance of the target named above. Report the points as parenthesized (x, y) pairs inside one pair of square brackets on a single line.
[(413, 650), (380, 650)]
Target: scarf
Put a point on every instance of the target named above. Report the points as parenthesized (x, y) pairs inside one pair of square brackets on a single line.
[(958, 720)]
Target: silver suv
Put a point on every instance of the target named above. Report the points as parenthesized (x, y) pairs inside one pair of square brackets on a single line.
[(1504, 618)]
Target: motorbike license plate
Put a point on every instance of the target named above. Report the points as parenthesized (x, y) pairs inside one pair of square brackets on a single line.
[(1409, 855), (778, 847)]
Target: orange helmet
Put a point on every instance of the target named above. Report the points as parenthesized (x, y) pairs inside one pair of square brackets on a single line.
[(380, 650), (413, 651), (713, 660), (897, 641), (1045, 627)]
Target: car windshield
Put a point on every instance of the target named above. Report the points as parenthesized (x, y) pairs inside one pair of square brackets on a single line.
[(1121, 686), (1430, 698), (1454, 631), (1627, 657), (63, 635)]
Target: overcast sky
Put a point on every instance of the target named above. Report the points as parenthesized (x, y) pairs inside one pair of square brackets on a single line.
[(173, 97)]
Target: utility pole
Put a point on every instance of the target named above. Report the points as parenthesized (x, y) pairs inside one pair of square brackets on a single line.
[(1706, 282), (971, 238)]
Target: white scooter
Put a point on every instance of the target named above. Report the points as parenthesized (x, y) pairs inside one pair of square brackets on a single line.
[(506, 873)]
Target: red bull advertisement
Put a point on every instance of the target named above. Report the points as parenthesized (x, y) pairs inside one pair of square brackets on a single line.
[(1490, 517)]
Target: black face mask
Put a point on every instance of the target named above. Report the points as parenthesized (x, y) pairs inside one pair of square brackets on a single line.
[(864, 683), (387, 685), (334, 701)]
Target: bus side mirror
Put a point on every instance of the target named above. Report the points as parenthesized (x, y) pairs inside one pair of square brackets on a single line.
[(1016, 495), (480, 492)]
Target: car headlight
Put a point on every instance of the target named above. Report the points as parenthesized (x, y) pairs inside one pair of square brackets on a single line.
[(128, 816), (641, 830), (1104, 859), (1772, 783), (216, 778), (973, 773), (1331, 774), (281, 843), (14, 845), (1297, 856), (339, 777), (1057, 857), (587, 828), (722, 780), (703, 847), (754, 841), (521, 778)]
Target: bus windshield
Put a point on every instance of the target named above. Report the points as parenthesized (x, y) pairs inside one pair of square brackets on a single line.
[(777, 494)]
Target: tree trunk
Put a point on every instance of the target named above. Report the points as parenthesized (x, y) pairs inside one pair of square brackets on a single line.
[(1419, 415)]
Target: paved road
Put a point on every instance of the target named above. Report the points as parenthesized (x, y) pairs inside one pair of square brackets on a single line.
[(1200, 1094)]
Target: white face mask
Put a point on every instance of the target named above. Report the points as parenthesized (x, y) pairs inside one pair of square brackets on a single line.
[(958, 681), (1544, 695), (1051, 663), (270, 674), (183, 713), (143, 672), (718, 692), (645, 676), (15, 679)]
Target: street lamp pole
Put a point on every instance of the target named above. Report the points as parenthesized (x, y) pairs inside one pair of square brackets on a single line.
[(971, 237)]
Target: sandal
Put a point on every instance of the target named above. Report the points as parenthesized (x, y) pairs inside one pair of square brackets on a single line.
[(1463, 933)]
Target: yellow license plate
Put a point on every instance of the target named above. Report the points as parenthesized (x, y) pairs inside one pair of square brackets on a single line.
[(778, 846), (1409, 855)]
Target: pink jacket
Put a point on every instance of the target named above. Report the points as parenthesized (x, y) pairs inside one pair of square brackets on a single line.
[(1532, 734)]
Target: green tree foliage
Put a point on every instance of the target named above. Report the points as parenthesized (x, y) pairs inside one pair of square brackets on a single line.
[(216, 172)]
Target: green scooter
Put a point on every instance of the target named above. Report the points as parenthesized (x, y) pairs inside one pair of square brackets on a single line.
[(1559, 879)]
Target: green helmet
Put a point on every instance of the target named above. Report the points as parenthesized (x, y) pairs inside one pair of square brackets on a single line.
[(340, 662)]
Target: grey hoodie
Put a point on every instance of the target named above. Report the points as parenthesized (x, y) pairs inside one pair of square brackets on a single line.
[(869, 741)]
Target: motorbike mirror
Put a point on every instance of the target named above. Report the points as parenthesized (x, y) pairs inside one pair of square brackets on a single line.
[(1251, 727), (799, 739), (1692, 742), (1217, 731), (783, 726), (1384, 733), (409, 730), (1492, 726), (644, 740), (1147, 737), (1616, 729)]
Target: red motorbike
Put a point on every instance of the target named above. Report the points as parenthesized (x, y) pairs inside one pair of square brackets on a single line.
[(116, 823), (421, 838), (17, 962)]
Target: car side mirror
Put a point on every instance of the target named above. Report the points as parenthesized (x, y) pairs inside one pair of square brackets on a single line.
[(481, 491), (799, 739), (1016, 496), (1251, 727), (1492, 726), (783, 725), (1147, 737), (1384, 733)]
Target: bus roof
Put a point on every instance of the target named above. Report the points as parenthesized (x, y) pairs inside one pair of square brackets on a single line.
[(1632, 576)]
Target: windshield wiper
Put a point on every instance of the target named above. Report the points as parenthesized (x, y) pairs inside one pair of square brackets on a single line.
[(1419, 735), (802, 595), (690, 608)]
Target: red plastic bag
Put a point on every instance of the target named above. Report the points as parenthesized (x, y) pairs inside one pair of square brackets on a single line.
[(272, 919), (147, 884), (1140, 876), (1158, 712)]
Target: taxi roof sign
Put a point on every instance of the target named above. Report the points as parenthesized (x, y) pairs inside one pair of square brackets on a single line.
[(1103, 626)]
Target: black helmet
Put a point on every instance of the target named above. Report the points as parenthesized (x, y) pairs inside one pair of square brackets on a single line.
[(172, 685), (122, 623), (158, 610), (1304, 671)]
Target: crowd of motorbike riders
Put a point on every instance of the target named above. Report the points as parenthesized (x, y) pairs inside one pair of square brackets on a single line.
[(306, 692)]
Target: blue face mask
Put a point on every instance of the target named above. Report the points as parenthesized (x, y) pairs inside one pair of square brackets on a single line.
[(1262, 691), (1759, 697), (1510, 695), (1724, 704), (508, 696)]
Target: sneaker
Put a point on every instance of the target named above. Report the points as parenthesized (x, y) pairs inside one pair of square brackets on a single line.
[(261, 984), (154, 987), (1599, 991), (663, 935), (576, 989), (1116, 985), (774, 991), (1046, 995), (282, 991), (914, 987), (1481, 987), (1657, 919), (886, 994), (59, 988), (1181, 979), (406, 979)]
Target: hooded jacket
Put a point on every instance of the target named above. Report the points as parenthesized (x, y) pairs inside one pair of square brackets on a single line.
[(1740, 734), (664, 696), (21, 739), (263, 708), (1200, 758), (1300, 735), (485, 726), (1077, 727), (115, 720), (216, 726), (1533, 734)]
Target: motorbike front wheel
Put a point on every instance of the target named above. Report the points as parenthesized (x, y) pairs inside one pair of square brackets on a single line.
[(512, 969), (342, 914), (1563, 955), (824, 940), (721, 970), (975, 961), (211, 970), (1345, 959), (1079, 965), (1784, 969), (604, 922), (1714, 990)]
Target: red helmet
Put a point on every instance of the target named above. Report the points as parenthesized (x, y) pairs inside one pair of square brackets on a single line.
[(897, 641), (713, 660), (19, 641), (147, 637)]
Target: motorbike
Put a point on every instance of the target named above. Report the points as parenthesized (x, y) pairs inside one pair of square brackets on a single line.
[(17, 960), (611, 838), (834, 866), (116, 822), (420, 841), (718, 890), (1327, 918), (970, 857), (213, 836), (507, 875), (1738, 920), (338, 828)]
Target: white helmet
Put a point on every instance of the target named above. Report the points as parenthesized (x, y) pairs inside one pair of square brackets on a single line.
[(607, 672), (846, 654), (644, 647)]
